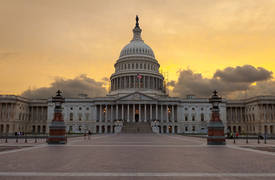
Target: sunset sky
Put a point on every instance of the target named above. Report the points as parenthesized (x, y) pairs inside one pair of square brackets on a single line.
[(41, 40)]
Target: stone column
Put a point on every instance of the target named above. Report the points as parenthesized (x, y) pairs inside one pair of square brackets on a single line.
[(133, 112), (116, 111), (112, 113), (150, 112), (106, 112), (128, 113), (161, 113), (100, 112), (139, 113), (167, 118), (122, 109), (145, 120), (173, 114), (157, 111)]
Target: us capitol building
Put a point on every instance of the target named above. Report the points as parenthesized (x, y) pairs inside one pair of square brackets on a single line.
[(137, 102)]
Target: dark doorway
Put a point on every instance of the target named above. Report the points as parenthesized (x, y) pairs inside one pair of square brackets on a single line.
[(164, 129), (109, 129), (136, 117), (102, 129)]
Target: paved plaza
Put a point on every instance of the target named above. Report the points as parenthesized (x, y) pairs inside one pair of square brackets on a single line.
[(137, 156)]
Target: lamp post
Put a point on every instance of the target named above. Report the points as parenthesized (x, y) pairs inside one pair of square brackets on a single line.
[(57, 129), (215, 125)]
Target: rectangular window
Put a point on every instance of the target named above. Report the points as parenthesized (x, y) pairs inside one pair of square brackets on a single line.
[(79, 116), (193, 117), (71, 116), (193, 128), (186, 117), (202, 117)]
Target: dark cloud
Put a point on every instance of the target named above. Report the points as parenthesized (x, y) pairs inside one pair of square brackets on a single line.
[(246, 73), (105, 79), (223, 81), (70, 88), (171, 83)]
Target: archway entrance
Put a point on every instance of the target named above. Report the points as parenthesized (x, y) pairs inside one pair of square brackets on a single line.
[(170, 129)]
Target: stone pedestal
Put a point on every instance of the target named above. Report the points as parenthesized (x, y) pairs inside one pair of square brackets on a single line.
[(215, 125), (57, 129)]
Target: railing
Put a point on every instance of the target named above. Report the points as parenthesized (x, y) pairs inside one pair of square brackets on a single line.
[(25, 138)]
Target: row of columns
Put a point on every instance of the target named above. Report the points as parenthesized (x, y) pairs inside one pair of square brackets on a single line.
[(136, 112), (38, 113), (7, 111), (134, 82)]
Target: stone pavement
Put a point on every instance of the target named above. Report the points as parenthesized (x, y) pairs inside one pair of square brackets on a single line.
[(138, 156)]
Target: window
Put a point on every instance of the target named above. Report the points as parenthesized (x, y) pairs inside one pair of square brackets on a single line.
[(80, 108), (201, 109), (79, 116), (193, 117), (185, 109), (186, 128), (193, 128), (193, 109), (186, 117), (202, 117), (71, 108), (71, 116), (87, 108)]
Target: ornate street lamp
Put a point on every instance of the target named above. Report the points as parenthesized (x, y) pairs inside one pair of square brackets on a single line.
[(57, 129), (215, 125)]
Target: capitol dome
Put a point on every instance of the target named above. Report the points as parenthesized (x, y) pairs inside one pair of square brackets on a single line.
[(137, 69), (137, 47)]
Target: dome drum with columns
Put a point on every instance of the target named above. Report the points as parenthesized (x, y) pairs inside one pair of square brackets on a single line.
[(137, 69)]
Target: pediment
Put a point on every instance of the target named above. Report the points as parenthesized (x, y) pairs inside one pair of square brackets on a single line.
[(137, 97)]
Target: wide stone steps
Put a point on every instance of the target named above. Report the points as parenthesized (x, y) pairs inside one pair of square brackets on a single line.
[(136, 127)]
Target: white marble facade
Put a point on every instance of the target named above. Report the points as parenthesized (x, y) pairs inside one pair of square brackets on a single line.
[(170, 115)]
